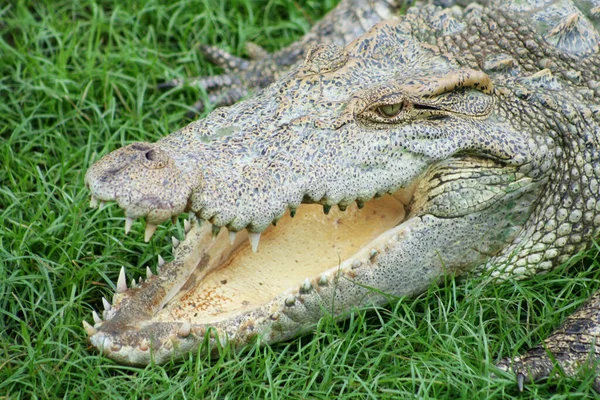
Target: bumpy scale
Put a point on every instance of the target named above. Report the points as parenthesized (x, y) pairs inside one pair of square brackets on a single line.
[(442, 141)]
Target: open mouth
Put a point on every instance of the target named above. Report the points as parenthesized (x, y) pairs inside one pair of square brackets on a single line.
[(300, 251), (226, 283)]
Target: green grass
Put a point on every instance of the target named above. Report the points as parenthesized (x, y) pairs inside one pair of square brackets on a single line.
[(77, 80)]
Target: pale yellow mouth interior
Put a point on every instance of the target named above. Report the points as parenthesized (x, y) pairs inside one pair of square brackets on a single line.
[(297, 248)]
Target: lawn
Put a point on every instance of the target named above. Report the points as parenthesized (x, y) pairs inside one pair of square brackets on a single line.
[(77, 80)]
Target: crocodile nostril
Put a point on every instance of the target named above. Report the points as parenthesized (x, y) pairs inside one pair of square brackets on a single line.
[(151, 155)]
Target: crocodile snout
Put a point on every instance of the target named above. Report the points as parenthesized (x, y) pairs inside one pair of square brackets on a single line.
[(141, 178)]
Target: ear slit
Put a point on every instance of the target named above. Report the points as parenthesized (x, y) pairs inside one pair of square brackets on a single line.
[(425, 107)]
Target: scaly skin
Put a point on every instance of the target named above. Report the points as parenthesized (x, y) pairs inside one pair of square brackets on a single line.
[(346, 22), (482, 124)]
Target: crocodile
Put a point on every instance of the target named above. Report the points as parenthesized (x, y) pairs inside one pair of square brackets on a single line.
[(446, 141)]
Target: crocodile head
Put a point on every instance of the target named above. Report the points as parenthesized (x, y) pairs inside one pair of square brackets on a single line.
[(373, 169)]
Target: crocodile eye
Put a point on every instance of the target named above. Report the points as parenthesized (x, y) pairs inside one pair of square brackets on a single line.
[(390, 110)]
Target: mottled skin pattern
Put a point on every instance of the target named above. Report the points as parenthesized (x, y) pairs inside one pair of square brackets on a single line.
[(342, 25), (488, 115)]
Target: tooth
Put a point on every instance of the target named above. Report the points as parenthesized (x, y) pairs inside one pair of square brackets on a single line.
[(175, 242), (150, 228), (342, 207), (360, 204), (232, 235), (97, 319), (133, 284), (174, 219), (215, 231), (115, 348), (185, 329), (161, 261), (326, 209), (144, 345), (122, 281), (254, 239), (148, 272), (292, 212), (322, 280), (186, 225), (290, 300), (306, 286), (106, 304), (90, 330), (128, 223), (94, 202), (102, 203)]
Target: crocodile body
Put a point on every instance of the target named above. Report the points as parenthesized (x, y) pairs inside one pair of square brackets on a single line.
[(444, 141)]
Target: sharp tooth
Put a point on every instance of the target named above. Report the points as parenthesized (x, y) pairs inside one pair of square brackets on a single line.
[(326, 209), (342, 207), (323, 280), (149, 232), (292, 212), (175, 242), (94, 202), (161, 261), (128, 223), (360, 204), (133, 284), (187, 225), (232, 236), (97, 319), (122, 281), (185, 329), (174, 219), (148, 272), (290, 300), (106, 304), (254, 239), (90, 330)]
